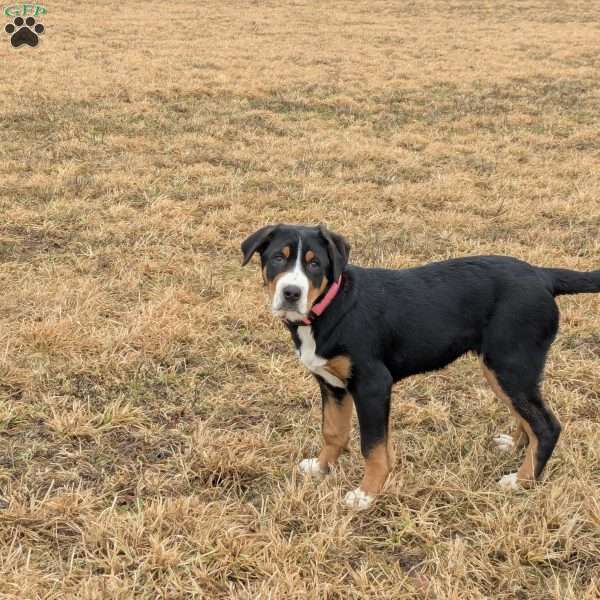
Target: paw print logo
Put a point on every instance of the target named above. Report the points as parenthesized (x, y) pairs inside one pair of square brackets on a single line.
[(24, 31)]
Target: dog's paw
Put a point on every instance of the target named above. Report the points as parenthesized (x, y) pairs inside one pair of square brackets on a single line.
[(504, 442), (310, 466), (509, 482), (358, 499)]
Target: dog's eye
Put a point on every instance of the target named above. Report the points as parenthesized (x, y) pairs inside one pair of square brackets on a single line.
[(278, 259), (314, 264)]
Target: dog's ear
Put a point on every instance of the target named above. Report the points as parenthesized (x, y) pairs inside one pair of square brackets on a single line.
[(256, 242), (338, 249)]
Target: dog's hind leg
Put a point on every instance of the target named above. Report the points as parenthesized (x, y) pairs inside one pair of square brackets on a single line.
[(515, 344), (542, 429), (537, 424), (504, 441)]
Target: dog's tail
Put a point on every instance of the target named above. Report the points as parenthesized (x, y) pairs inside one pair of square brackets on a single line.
[(565, 281)]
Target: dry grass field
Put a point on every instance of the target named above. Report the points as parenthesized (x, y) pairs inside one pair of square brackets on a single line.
[(152, 412)]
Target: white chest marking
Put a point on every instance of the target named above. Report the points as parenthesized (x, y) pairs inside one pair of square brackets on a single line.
[(312, 361)]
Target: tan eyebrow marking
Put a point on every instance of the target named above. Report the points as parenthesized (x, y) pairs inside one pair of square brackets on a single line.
[(286, 251), (309, 256)]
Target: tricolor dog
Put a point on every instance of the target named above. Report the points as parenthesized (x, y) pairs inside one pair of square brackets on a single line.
[(360, 330)]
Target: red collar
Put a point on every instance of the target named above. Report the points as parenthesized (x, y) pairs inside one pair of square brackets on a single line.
[(319, 308)]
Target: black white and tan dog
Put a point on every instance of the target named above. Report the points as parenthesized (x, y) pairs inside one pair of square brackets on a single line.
[(359, 330)]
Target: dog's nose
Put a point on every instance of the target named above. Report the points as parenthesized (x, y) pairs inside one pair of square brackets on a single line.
[(292, 293)]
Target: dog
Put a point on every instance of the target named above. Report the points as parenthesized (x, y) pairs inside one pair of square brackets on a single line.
[(360, 330)]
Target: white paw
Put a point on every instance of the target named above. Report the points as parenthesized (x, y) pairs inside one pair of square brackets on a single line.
[(509, 482), (310, 466), (358, 499), (504, 442)]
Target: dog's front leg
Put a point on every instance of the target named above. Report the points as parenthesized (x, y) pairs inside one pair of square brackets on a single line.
[(372, 392), (336, 427), (337, 424)]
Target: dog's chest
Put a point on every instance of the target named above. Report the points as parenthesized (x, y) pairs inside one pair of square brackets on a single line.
[(307, 352)]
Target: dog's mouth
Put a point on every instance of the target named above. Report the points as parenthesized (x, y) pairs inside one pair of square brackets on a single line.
[(288, 313)]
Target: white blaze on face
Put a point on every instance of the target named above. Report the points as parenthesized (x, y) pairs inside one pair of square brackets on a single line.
[(298, 278)]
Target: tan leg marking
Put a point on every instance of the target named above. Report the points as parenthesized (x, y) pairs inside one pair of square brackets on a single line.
[(526, 472), (337, 424), (378, 464), (377, 468), (520, 434), (523, 434)]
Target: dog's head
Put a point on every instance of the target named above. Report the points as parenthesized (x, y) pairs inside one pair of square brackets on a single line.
[(298, 264)]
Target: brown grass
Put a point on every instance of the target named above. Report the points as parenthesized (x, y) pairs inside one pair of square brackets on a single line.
[(152, 412)]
